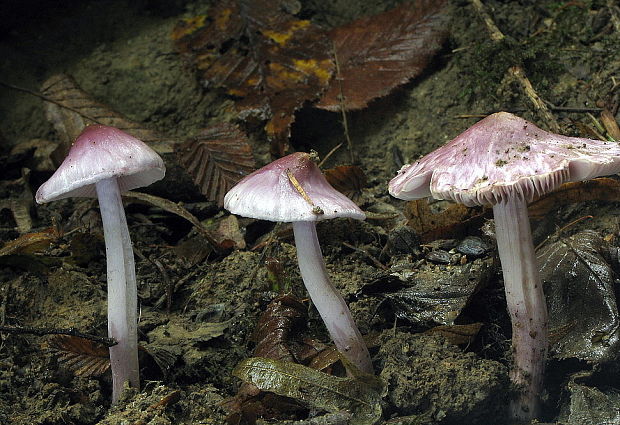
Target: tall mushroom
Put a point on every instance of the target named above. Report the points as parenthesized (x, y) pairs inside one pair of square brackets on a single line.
[(505, 161), (292, 189), (104, 162)]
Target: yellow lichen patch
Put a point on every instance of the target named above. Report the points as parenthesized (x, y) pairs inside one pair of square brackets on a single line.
[(280, 75), (188, 26), (222, 20), (237, 92), (282, 37), (313, 67)]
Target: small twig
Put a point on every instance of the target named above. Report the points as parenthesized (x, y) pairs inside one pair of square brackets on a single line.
[(519, 75), (376, 262), (494, 32), (560, 230), (341, 100), (516, 72), (315, 209), (330, 153), (108, 342)]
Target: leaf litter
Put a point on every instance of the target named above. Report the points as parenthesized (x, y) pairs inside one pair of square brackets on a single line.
[(270, 61)]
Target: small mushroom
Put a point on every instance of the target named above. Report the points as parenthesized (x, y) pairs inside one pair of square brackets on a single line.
[(104, 162), (506, 162), (292, 189)]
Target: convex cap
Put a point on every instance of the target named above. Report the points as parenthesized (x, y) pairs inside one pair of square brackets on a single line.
[(500, 156), (101, 152), (271, 193)]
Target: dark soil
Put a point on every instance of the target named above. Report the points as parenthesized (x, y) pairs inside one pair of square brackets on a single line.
[(122, 54)]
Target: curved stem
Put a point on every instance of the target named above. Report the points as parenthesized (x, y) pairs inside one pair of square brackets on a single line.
[(122, 289), (327, 299), (526, 305)]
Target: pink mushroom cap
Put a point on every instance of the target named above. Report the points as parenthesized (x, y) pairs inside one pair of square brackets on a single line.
[(102, 152), (500, 156), (269, 193)]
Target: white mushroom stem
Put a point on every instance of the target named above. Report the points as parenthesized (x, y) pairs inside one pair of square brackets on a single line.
[(526, 304), (122, 289), (327, 300)]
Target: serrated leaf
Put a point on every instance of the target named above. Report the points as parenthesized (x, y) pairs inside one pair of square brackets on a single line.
[(377, 53), (217, 159), (80, 355), (80, 109), (315, 388)]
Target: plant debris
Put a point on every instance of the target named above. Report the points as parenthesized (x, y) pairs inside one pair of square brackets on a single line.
[(347, 179), (270, 61), (579, 281), (81, 356), (217, 159), (73, 109), (377, 53), (315, 388)]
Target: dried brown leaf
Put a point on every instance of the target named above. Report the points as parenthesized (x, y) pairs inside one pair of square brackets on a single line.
[(228, 233), (601, 189), (283, 315), (348, 179), (456, 334), (79, 109), (31, 242), (272, 335), (452, 222), (265, 57), (377, 53), (80, 355), (217, 159)]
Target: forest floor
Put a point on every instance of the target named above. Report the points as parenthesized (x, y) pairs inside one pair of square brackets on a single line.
[(442, 360)]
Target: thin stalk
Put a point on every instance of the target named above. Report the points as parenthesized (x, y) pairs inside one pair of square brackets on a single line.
[(122, 289), (526, 305), (327, 300)]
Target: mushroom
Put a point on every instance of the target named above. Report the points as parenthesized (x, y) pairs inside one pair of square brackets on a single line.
[(104, 162), (292, 189), (506, 162)]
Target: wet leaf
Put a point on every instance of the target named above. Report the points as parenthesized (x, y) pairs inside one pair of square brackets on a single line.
[(31, 242), (377, 53), (80, 109), (347, 179), (260, 54), (80, 355), (579, 287), (589, 404), (325, 359), (315, 388), (281, 320), (453, 221), (601, 189), (431, 295), (457, 334), (217, 159)]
